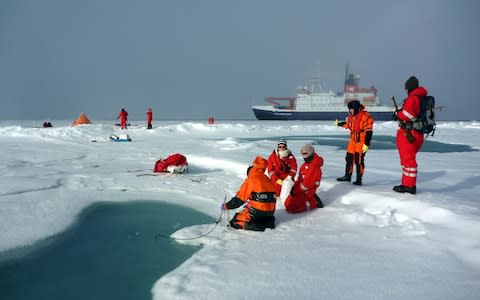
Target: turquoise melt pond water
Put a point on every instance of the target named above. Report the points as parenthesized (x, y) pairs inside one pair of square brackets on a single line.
[(110, 253), (379, 142)]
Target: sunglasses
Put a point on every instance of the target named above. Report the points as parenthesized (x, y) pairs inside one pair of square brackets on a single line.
[(282, 147)]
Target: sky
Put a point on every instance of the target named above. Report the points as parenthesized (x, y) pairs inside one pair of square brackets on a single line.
[(368, 242), (196, 59)]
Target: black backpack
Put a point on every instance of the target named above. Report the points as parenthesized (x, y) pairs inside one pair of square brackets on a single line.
[(425, 122)]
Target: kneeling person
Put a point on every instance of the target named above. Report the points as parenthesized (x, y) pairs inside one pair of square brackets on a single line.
[(258, 192), (308, 181)]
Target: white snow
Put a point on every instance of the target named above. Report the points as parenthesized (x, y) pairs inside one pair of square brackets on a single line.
[(367, 243)]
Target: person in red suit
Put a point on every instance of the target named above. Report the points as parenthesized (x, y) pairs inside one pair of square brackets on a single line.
[(281, 163), (409, 141), (123, 115), (308, 181), (149, 118)]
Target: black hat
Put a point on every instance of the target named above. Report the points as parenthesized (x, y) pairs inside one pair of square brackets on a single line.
[(411, 84), (355, 104)]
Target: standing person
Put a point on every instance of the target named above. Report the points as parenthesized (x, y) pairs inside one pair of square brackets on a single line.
[(258, 192), (122, 115), (360, 124), (149, 118), (307, 183), (281, 163), (409, 141)]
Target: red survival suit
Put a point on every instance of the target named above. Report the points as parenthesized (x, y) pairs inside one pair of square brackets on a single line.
[(176, 160), (305, 187), (408, 151), (149, 118), (280, 168), (122, 115), (259, 193)]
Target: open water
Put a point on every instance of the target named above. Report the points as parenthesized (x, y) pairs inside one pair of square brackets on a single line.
[(379, 142), (110, 253)]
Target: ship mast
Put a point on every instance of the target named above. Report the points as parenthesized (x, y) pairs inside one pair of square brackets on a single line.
[(346, 74), (316, 84)]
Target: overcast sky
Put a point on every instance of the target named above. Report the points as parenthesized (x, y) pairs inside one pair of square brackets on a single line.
[(191, 59)]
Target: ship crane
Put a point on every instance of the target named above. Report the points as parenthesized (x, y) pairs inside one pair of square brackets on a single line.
[(278, 105)]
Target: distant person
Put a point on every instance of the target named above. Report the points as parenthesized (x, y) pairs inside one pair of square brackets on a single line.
[(211, 120), (47, 124), (149, 118), (409, 141), (308, 181), (123, 116), (257, 194), (360, 124), (175, 163), (281, 164)]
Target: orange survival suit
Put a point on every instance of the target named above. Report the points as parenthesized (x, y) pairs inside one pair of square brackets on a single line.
[(360, 124), (258, 192)]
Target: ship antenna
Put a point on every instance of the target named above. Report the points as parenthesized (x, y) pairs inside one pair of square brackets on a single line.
[(316, 84), (346, 73)]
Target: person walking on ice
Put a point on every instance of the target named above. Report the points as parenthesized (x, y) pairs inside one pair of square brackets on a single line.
[(123, 116), (149, 118)]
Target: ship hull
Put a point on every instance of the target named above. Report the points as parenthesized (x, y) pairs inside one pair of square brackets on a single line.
[(265, 114)]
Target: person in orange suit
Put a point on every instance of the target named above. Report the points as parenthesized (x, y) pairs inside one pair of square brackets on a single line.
[(360, 123), (123, 116), (257, 195), (305, 188)]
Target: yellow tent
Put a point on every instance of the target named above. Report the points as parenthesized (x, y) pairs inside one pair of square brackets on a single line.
[(82, 119)]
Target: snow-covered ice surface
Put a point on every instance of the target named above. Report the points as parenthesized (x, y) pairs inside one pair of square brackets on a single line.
[(367, 243)]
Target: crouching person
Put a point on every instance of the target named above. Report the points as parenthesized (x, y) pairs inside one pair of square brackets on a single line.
[(175, 163), (257, 192), (308, 181)]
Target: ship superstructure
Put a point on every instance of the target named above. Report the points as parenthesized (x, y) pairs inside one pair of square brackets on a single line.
[(314, 103)]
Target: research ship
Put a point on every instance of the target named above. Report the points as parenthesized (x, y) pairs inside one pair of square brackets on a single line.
[(314, 103)]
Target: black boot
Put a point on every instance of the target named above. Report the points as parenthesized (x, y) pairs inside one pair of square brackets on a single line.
[(348, 168), (405, 189), (358, 165), (347, 178), (319, 202)]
